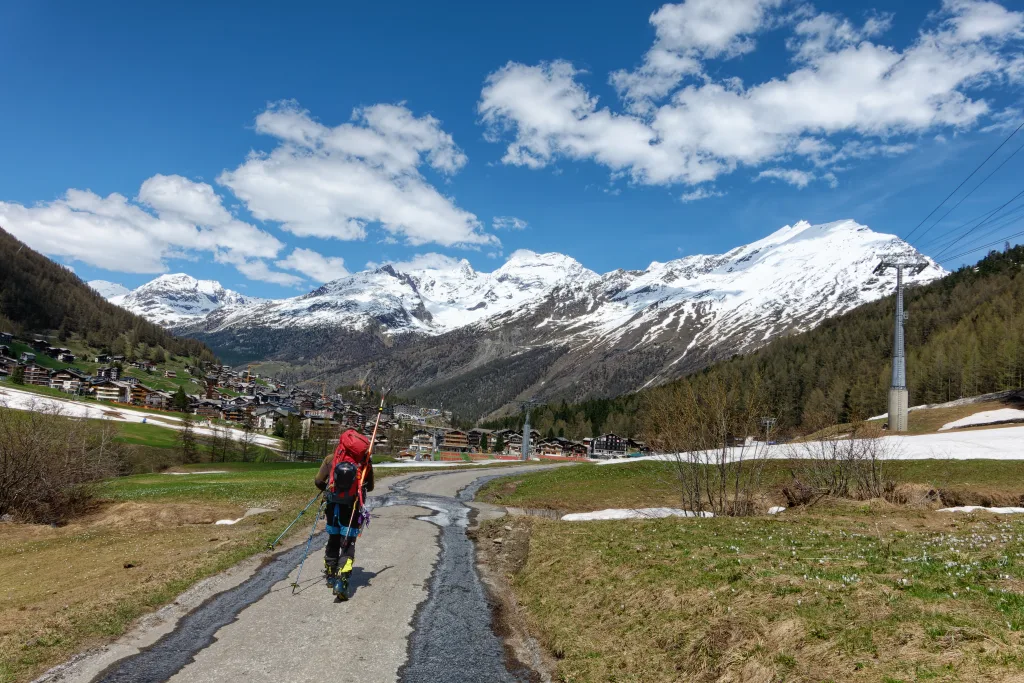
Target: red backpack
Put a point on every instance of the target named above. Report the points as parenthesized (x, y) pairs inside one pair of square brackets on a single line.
[(351, 455)]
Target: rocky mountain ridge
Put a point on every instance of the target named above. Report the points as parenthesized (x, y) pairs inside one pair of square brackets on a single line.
[(543, 325)]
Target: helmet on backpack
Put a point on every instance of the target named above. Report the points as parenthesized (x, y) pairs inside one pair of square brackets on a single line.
[(350, 456)]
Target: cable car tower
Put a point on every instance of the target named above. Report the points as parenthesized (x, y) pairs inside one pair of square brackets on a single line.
[(899, 398)]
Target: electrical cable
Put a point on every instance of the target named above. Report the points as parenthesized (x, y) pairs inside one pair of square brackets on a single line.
[(978, 168)]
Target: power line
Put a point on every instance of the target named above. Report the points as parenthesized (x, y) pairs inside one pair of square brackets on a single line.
[(983, 246), (985, 180), (939, 244), (932, 212), (1011, 200)]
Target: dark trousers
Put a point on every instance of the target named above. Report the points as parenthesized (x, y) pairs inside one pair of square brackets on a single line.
[(341, 541)]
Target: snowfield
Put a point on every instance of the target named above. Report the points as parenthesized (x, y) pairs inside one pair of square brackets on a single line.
[(636, 513), (26, 400), (1003, 443), (986, 417)]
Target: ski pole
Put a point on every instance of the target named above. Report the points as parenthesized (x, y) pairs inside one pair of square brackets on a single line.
[(309, 541), (295, 520), (369, 457)]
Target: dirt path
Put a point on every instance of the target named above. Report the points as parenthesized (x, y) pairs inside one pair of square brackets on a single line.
[(418, 610)]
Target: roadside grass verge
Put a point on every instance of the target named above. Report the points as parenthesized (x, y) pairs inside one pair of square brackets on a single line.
[(149, 538), (587, 487), (848, 592)]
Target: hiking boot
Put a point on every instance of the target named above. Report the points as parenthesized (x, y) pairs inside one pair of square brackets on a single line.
[(341, 582), (341, 586), (331, 572)]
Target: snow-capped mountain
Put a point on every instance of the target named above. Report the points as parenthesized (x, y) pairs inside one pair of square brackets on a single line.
[(172, 300), (111, 291), (542, 324)]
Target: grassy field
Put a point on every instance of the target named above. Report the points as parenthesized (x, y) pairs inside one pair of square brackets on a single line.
[(856, 593), (841, 591), (652, 484), (151, 536)]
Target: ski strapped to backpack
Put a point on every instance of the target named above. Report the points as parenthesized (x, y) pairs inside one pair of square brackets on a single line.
[(364, 515)]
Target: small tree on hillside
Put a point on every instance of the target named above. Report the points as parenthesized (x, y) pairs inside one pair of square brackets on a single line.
[(247, 444), (180, 401), (18, 375), (187, 444)]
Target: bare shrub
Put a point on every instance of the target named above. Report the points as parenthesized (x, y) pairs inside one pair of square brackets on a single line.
[(708, 428), (851, 464), (48, 461)]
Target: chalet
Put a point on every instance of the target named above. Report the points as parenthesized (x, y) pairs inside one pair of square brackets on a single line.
[(170, 374), (69, 380), (6, 337), (475, 436), (319, 429), (237, 412), (139, 393), (208, 408), (117, 358), (103, 358), (5, 351), (111, 372), (66, 357), (550, 447), (422, 442), (37, 375), (267, 417), (159, 399), (7, 366), (455, 441), (110, 390), (27, 357), (39, 344), (608, 446), (130, 381)]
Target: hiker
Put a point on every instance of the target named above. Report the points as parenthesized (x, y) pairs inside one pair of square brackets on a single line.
[(339, 478)]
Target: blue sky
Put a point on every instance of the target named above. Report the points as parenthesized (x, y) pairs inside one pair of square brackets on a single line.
[(272, 149)]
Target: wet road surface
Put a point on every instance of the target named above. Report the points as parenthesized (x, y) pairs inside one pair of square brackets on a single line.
[(418, 610)]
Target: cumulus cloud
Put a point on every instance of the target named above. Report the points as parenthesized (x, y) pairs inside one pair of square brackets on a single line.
[(428, 261), (686, 34), (793, 176), (508, 223), (259, 270), (314, 265), (173, 217), (846, 96), (332, 182), (698, 194)]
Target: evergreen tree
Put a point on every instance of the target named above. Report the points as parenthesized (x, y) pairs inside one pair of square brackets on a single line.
[(180, 402), (18, 374), (483, 443), (499, 444)]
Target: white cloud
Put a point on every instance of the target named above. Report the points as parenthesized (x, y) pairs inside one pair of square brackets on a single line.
[(258, 269), (115, 233), (793, 176), (869, 96), (972, 21), (687, 33), (508, 223), (698, 194), (314, 265), (428, 261), (332, 182)]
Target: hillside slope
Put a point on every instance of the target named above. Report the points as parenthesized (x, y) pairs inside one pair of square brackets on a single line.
[(544, 326), (38, 295), (964, 336)]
